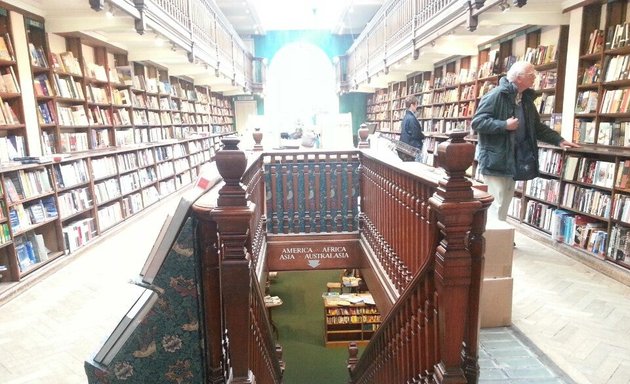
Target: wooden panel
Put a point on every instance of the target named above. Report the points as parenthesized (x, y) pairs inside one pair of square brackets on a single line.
[(305, 253)]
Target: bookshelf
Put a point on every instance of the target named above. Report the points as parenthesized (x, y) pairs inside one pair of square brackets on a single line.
[(55, 208), (12, 127), (349, 317), (582, 199)]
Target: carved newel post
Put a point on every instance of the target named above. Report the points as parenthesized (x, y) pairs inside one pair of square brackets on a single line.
[(455, 208), (232, 216), (363, 135), (257, 135)]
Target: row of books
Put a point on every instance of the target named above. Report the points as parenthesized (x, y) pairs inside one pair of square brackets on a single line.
[(132, 204), (542, 54), (537, 214), (550, 161), (66, 63), (590, 171), (588, 200), (544, 189), (5, 233), (71, 174), (616, 101), (545, 80), (623, 175), (545, 104), (6, 48), (8, 114), (38, 56), (618, 36), (8, 80), (595, 42), (11, 147), (25, 184), (617, 67), (23, 216), (30, 250), (621, 208), (78, 233), (619, 245), (74, 201), (586, 102), (579, 231), (109, 215), (591, 74)]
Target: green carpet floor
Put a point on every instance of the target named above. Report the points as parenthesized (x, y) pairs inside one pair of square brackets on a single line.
[(300, 323)]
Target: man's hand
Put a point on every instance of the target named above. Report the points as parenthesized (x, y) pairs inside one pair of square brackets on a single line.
[(512, 124), (568, 144)]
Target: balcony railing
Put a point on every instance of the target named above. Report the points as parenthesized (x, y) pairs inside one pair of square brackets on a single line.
[(202, 30), (398, 30)]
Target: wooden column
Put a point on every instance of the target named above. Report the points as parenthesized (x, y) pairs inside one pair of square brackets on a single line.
[(477, 246), (232, 216), (211, 296), (455, 209)]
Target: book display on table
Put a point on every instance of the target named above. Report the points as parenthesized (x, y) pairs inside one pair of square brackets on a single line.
[(349, 317)]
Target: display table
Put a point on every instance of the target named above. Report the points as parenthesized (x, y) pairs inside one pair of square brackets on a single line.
[(272, 302)]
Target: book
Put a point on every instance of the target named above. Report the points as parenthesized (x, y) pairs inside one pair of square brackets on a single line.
[(126, 326), (208, 177)]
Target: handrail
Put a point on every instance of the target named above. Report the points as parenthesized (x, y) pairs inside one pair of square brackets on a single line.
[(431, 332), (201, 29), (398, 29)]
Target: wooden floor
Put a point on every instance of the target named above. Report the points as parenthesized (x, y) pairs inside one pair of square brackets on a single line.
[(577, 317)]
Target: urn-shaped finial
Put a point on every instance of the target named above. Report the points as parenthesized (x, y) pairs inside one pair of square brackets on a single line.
[(231, 163)]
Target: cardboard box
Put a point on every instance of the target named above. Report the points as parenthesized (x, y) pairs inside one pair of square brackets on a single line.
[(499, 237), (495, 306)]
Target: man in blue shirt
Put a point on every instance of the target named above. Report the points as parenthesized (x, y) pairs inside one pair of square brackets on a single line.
[(410, 130)]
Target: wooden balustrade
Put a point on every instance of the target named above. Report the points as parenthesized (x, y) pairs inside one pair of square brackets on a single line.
[(420, 230), (426, 233), (396, 29), (395, 218), (331, 179)]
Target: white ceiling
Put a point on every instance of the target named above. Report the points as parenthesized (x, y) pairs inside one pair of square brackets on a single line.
[(256, 17), (266, 15)]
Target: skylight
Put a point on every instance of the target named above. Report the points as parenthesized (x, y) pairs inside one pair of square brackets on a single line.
[(300, 14)]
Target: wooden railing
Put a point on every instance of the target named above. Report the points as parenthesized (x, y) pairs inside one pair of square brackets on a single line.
[(395, 219), (331, 179), (420, 232), (425, 231), (201, 29), (239, 339), (398, 28)]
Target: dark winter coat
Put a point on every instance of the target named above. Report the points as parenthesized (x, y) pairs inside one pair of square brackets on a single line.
[(495, 148), (410, 130)]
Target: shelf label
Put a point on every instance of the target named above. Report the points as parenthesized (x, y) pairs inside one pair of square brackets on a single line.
[(309, 255)]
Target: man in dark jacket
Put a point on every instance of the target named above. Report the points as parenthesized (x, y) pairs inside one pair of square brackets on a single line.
[(410, 130), (508, 128)]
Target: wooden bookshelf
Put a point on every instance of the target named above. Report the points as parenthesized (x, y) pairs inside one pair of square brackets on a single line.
[(70, 202), (349, 317), (12, 127)]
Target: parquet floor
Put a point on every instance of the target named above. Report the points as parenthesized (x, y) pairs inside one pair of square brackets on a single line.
[(578, 318)]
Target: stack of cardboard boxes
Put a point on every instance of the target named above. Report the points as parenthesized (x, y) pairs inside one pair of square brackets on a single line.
[(496, 290)]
